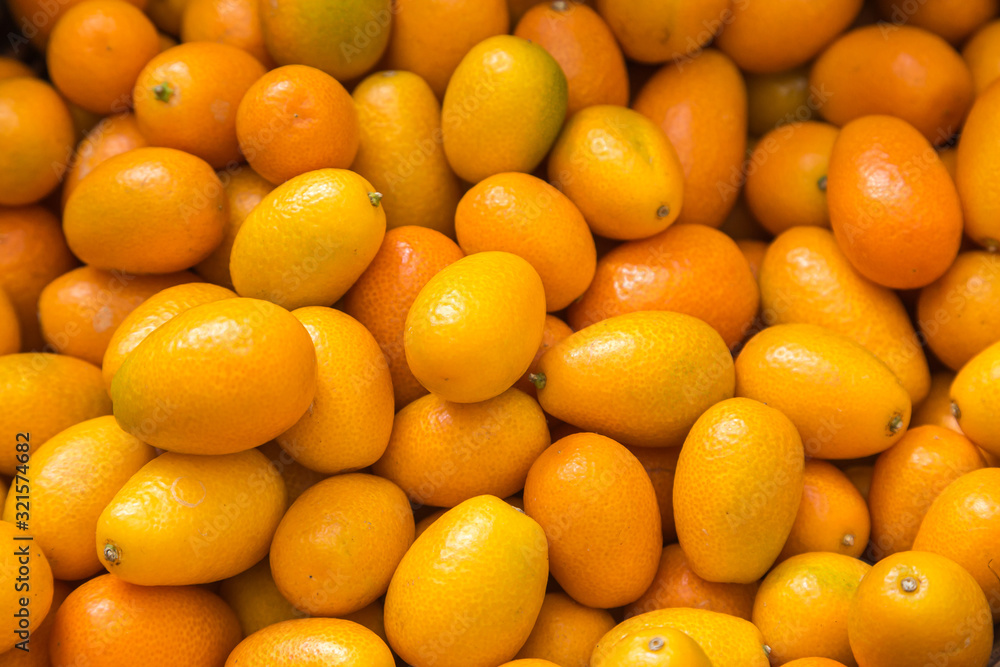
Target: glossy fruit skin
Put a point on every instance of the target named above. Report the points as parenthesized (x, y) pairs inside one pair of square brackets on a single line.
[(833, 515), (700, 103), (238, 500), (43, 394), (565, 632), (946, 615), (976, 152), (33, 253), (963, 524), (677, 585), (487, 135), (737, 452), (483, 566), (728, 641), (908, 477), (38, 593), (75, 475), (599, 511), (187, 98), (903, 233), (974, 399), (524, 215), (262, 379), (37, 133), (312, 642), (150, 315), (620, 170), (177, 195), (348, 423), (443, 453), (844, 402), (40, 654), (408, 257), (113, 135), (806, 278), (344, 40), (308, 240), (814, 662), (586, 50), (474, 327), (233, 22), (773, 37), (163, 624), (296, 119), (681, 363), (400, 151), (786, 177), (661, 464), (430, 38), (859, 77), (641, 26), (803, 605), (96, 52), (256, 599), (81, 309), (690, 269), (959, 313), (244, 190), (337, 546), (653, 646)]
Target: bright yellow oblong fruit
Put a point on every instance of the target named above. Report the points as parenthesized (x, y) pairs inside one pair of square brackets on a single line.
[(219, 378), (641, 378), (844, 402), (477, 576), (474, 328), (186, 519), (503, 108), (737, 490), (309, 239), (975, 397)]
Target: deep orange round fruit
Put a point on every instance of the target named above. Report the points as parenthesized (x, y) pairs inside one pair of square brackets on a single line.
[(187, 97), (565, 632), (96, 52), (313, 641), (832, 516), (430, 38), (894, 210), (585, 48), (598, 509), (177, 196), (654, 31), (860, 74), (33, 253), (908, 477), (954, 20), (700, 103), (163, 624), (233, 22), (677, 585), (80, 310), (771, 37), (36, 131), (296, 119), (690, 269)]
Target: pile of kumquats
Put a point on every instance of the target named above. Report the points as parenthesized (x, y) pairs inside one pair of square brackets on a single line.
[(499, 333)]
